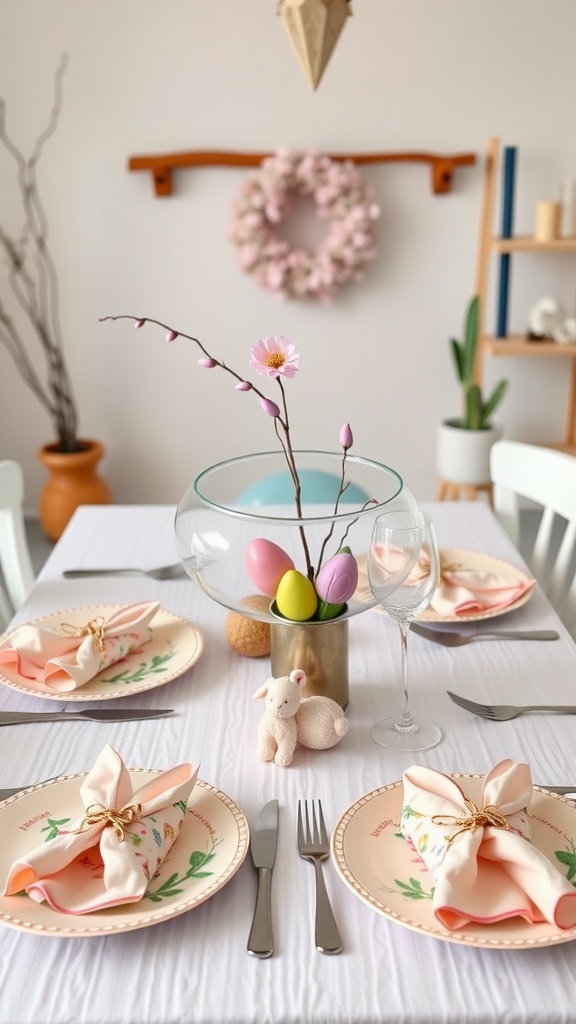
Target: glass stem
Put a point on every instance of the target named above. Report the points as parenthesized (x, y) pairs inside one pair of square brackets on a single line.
[(405, 721)]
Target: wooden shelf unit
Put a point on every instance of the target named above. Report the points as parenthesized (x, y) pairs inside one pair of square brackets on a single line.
[(517, 345), (526, 243)]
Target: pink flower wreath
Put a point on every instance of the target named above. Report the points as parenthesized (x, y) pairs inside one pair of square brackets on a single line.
[(340, 197)]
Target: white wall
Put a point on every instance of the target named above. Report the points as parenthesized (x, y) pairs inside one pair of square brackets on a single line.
[(152, 77)]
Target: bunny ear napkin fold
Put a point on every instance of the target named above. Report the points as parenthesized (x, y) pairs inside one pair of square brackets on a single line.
[(67, 658), (467, 591), (107, 857), (484, 866), (464, 592)]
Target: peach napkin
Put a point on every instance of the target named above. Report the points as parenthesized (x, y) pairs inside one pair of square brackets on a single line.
[(66, 657), (460, 592), (470, 591), (484, 866), (107, 857)]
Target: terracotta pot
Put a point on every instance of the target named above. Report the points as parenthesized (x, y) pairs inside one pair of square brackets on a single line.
[(73, 480), (464, 455)]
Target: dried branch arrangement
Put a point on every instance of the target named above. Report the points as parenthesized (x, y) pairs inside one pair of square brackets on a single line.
[(30, 329)]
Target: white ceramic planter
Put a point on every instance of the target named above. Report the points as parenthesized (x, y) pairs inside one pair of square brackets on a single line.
[(464, 455)]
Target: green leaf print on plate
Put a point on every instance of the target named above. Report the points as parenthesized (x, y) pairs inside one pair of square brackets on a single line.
[(568, 858), (154, 667), (52, 827), (197, 861)]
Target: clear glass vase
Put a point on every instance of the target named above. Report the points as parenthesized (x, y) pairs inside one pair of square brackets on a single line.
[(236, 502)]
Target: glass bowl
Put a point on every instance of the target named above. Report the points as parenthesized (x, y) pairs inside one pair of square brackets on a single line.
[(219, 516)]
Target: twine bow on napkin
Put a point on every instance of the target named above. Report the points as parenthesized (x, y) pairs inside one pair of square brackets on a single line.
[(67, 656), (107, 857), (93, 628), (484, 866)]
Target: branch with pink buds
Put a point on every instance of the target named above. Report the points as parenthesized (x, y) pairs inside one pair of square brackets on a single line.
[(276, 358)]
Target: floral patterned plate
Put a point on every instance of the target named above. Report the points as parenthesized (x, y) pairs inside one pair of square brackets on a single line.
[(211, 847), (384, 870), (175, 646)]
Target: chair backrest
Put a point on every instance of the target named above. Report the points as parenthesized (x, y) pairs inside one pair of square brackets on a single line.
[(15, 563), (547, 477), (317, 487)]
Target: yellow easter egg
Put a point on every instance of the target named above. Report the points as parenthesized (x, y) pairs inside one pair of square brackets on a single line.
[(296, 598)]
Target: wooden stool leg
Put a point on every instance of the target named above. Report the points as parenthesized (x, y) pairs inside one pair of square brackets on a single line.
[(451, 492)]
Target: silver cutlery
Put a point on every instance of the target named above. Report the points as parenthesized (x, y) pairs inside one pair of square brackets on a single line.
[(163, 572), (504, 712), (121, 715), (313, 845), (451, 639), (263, 848)]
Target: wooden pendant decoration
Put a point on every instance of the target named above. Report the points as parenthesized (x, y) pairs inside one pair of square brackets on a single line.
[(314, 27)]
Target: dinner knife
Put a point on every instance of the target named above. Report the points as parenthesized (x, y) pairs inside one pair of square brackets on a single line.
[(121, 715), (263, 849)]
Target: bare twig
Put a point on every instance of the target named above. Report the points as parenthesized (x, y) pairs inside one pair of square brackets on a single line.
[(31, 287)]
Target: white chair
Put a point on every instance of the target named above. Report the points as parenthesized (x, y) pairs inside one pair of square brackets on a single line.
[(15, 563), (547, 477)]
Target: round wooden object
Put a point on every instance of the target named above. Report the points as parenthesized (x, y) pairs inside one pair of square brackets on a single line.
[(249, 637)]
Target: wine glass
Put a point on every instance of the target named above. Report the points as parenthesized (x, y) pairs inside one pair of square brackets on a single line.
[(403, 569)]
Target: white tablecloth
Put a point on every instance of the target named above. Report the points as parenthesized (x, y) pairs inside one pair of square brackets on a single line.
[(195, 968)]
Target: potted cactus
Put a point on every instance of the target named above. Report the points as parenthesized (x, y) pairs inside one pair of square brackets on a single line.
[(464, 442)]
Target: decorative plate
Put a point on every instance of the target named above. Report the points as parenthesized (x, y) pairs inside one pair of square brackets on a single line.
[(175, 646), (379, 866), (209, 850), (473, 560)]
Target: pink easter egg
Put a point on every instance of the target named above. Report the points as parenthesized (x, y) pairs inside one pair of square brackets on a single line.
[(338, 578), (266, 564)]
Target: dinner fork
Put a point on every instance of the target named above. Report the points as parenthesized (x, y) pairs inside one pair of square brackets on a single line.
[(163, 572), (504, 712), (313, 845), (448, 638)]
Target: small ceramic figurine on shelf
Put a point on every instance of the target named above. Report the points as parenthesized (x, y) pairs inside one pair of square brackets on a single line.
[(543, 317), (315, 722)]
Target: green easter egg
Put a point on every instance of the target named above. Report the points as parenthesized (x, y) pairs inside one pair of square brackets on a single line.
[(296, 598)]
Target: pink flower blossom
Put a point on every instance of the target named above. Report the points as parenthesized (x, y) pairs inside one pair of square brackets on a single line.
[(209, 364), (345, 438), (270, 407), (276, 357)]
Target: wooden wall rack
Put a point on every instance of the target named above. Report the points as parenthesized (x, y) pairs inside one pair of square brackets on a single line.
[(161, 166)]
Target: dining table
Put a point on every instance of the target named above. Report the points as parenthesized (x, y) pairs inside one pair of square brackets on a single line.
[(194, 966)]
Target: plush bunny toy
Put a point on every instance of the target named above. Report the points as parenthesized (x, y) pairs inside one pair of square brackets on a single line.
[(315, 722)]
